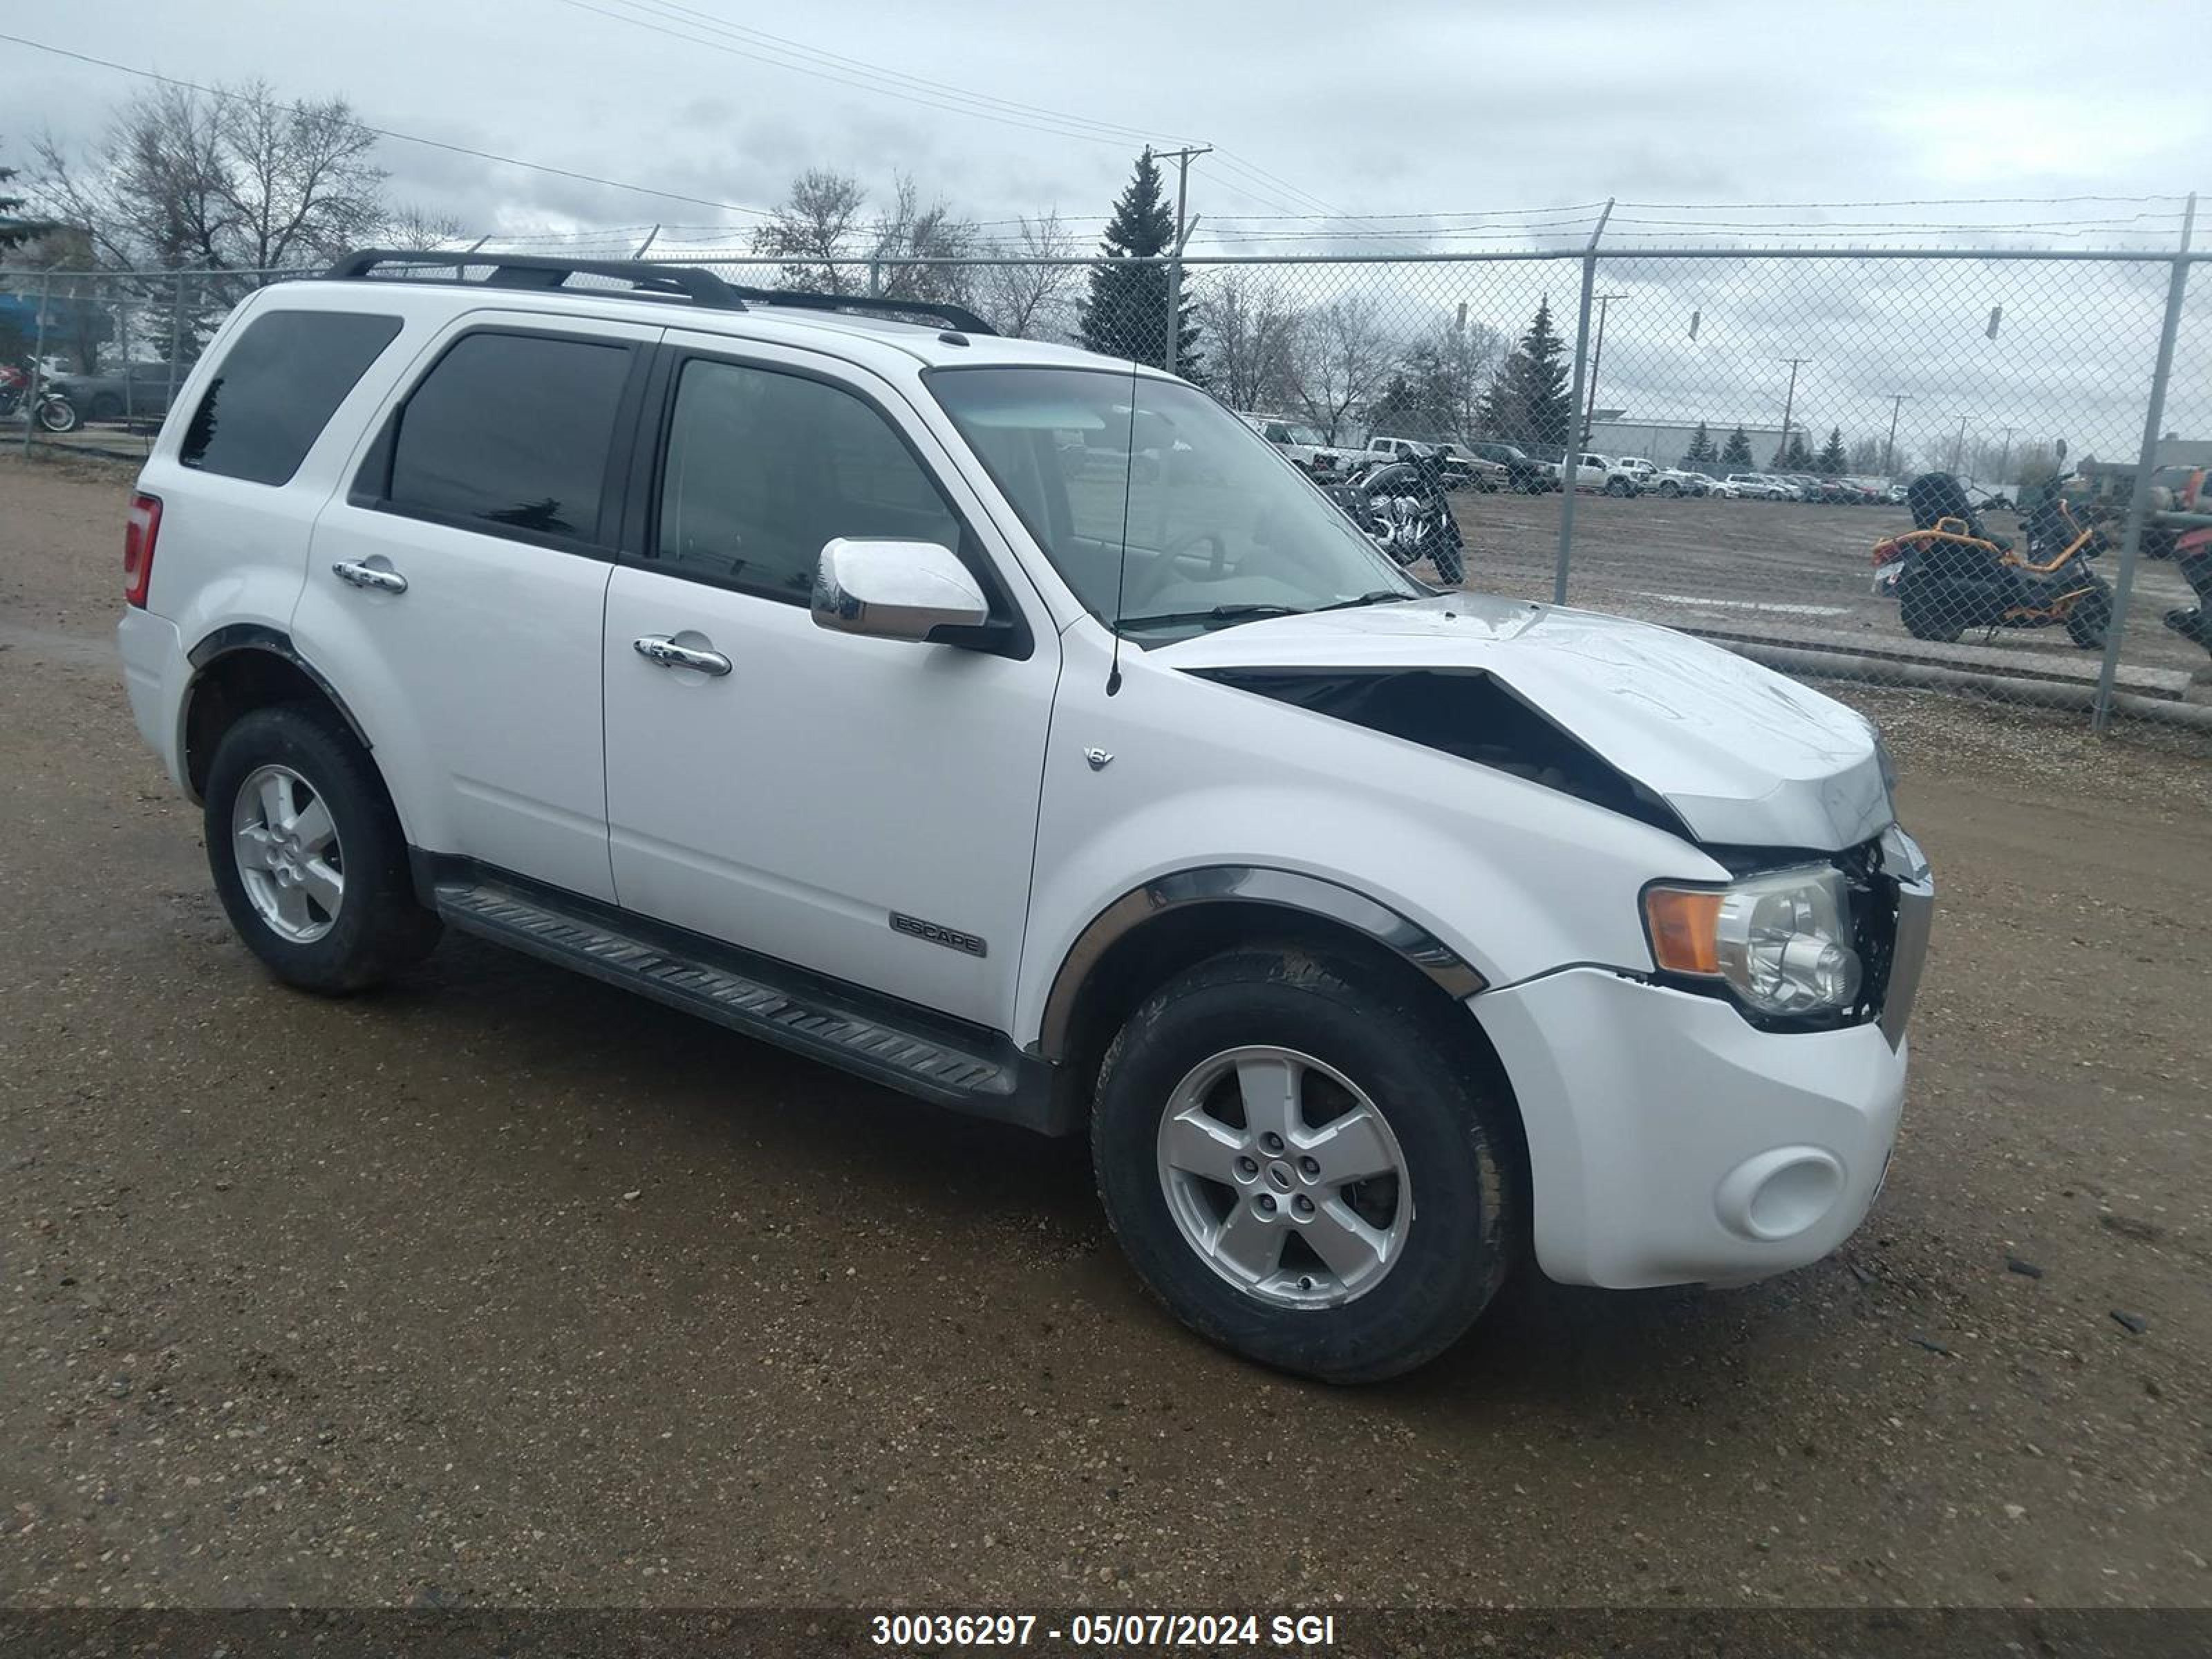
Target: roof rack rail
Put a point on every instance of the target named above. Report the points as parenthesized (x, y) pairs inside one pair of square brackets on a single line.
[(942, 310), (533, 270)]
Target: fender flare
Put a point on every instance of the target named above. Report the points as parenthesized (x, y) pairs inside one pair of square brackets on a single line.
[(1219, 883), (228, 641)]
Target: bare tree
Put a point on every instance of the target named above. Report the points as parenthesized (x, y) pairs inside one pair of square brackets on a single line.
[(823, 220), (818, 221), (1339, 359), (1251, 332), (237, 180), (1032, 299), (908, 231), (417, 230)]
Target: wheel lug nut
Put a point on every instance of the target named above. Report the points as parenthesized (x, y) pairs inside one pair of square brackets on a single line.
[(1310, 1166), (1303, 1205), (1267, 1203), (1273, 1142), (1247, 1166)]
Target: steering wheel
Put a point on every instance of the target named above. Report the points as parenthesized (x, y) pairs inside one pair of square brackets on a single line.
[(1164, 569)]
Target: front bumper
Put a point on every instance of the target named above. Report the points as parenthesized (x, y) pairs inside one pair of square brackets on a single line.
[(1672, 1142)]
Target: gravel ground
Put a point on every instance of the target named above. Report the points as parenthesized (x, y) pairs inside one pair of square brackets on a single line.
[(500, 1286)]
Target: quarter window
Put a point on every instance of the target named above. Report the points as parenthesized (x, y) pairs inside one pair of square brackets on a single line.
[(511, 432), (764, 467), (274, 390)]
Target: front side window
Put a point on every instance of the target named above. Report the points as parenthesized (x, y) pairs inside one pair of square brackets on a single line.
[(274, 390), (1216, 529), (510, 432), (763, 467)]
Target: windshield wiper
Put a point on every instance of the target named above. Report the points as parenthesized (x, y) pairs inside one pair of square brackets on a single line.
[(1229, 613), (1379, 596)]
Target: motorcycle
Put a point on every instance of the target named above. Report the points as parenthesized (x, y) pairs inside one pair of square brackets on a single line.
[(49, 409), (1401, 506), (1948, 574)]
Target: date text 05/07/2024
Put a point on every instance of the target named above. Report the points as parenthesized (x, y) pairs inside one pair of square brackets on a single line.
[(1281, 1631)]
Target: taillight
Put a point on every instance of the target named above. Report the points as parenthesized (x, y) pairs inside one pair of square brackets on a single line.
[(139, 531)]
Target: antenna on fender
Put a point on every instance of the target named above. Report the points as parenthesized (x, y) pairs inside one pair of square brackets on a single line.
[(1122, 570)]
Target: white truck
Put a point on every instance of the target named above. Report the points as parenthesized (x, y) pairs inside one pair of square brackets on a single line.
[(1305, 444), (763, 659)]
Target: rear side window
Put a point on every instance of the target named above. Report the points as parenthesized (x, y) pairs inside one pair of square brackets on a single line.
[(512, 432), (274, 391)]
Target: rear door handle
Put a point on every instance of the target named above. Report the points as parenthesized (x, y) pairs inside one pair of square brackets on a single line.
[(659, 648), (369, 576)]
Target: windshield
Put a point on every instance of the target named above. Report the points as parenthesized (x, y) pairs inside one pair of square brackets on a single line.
[(1219, 531)]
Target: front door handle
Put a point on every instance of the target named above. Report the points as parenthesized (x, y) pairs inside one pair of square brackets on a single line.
[(369, 576), (659, 648)]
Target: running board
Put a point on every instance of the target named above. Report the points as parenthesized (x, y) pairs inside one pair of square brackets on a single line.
[(893, 1045)]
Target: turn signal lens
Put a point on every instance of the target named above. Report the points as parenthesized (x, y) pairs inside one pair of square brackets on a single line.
[(1685, 928)]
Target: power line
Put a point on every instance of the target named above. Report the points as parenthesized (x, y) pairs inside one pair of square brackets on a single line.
[(402, 137), (915, 90)]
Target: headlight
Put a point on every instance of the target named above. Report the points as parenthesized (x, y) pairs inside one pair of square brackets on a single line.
[(1781, 942)]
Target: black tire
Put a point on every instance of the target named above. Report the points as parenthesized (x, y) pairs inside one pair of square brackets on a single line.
[(1668, 487), (1615, 487), (378, 927), (1927, 615), (2086, 622), (1454, 1138), (106, 407), (1449, 561), (58, 414)]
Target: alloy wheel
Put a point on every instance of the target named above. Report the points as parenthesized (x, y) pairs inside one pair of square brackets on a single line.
[(288, 857), (1284, 1177)]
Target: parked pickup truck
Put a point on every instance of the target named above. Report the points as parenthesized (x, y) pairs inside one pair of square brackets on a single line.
[(1305, 445), (765, 660), (1669, 481), (1595, 472)]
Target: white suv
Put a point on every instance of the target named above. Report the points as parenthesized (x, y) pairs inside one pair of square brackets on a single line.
[(769, 661)]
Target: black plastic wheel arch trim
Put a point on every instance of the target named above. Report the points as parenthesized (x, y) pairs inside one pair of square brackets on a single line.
[(228, 641), (1287, 889)]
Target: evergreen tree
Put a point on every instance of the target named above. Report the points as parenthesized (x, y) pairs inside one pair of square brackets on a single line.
[(1791, 455), (1528, 402), (1832, 459), (1701, 452), (1126, 313), (1735, 456), (13, 229)]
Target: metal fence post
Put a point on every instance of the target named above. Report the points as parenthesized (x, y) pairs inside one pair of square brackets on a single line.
[(38, 367), (2177, 289), (1571, 456), (176, 336)]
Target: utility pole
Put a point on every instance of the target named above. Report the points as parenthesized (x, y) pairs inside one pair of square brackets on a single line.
[(1597, 356), (1959, 446), (1173, 349), (1789, 404), (1897, 400), (2004, 460)]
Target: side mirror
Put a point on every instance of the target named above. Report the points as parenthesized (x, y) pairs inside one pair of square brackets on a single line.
[(898, 591)]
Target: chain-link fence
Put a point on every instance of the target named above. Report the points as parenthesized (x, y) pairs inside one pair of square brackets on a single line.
[(1724, 440)]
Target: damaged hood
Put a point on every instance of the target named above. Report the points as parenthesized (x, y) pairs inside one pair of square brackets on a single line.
[(1743, 755)]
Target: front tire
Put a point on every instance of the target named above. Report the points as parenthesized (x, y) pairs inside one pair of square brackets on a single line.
[(307, 854), (1927, 613), (58, 414), (2086, 622), (1298, 1159)]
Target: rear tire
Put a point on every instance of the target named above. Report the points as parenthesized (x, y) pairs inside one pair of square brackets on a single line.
[(307, 854), (1449, 561), (1927, 617), (2086, 622), (1326, 1274)]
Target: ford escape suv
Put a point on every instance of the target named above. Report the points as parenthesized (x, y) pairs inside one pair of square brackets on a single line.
[(1016, 728)]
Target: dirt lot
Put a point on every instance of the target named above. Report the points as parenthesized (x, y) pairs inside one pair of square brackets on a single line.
[(501, 1285)]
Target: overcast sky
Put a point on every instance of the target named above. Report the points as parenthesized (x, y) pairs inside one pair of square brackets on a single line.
[(1412, 105), (1687, 112)]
